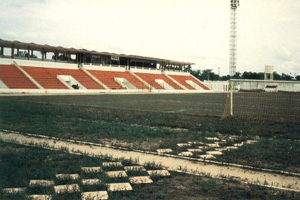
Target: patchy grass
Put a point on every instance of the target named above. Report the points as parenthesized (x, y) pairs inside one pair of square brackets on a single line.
[(188, 187), (267, 154), (151, 121), (19, 164)]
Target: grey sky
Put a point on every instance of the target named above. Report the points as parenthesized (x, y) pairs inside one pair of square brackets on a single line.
[(190, 30)]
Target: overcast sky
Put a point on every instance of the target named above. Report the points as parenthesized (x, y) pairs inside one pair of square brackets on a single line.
[(183, 30)]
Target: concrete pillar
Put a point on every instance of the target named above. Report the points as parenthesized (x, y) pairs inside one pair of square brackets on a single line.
[(12, 51), (28, 56), (43, 54), (128, 63), (56, 54), (69, 56)]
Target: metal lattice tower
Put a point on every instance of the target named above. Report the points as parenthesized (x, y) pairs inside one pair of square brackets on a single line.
[(233, 36)]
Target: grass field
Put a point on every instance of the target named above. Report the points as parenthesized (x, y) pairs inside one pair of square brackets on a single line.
[(151, 121), (34, 163)]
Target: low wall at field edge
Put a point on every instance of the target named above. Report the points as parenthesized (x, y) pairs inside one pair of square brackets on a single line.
[(268, 86), (86, 92)]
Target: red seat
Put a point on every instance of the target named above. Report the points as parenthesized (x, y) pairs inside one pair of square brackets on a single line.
[(47, 77), (13, 78), (150, 79), (182, 80), (108, 78)]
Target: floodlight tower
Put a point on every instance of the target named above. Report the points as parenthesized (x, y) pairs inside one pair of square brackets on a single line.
[(233, 36)]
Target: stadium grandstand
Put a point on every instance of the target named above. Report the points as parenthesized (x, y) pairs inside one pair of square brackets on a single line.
[(35, 68)]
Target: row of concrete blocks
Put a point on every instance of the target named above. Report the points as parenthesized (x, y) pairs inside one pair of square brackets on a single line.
[(95, 195), (209, 154), (74, 188)]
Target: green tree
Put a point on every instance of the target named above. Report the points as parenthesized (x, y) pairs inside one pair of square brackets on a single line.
[(24, 54), (286, 77), (61, 56), (196, 73), (188, 69), (276, 76), (237, 75)]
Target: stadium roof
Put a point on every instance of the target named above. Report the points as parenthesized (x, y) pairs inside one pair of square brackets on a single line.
[(49, 48)]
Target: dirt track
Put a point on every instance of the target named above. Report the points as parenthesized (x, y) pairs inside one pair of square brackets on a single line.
[(171, 163)]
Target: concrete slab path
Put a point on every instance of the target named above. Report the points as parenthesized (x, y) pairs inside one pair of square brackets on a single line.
[(268, 179)]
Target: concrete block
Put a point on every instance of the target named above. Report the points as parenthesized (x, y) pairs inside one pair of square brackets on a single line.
[(251, 141), (43, 183), (184, 144), (186, 153), (202, 147), (61, 189), (207, 156), (119, 187), (140, 179), (14, 190), (115, 174), (91, 169), (134, 168), (90, 181), (112, 164), (98, 195), (221, 149), (158, 173), (39, 197), (194, 150), (238, 144), (231, 147), (164, 151), (212, 138), (196, 142), (213, 145), (214, 152), (67, 176)]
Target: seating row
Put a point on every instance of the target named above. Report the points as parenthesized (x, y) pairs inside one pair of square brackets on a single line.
[(48, 78)]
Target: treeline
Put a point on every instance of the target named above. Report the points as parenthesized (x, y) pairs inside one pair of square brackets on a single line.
[(208, 74)]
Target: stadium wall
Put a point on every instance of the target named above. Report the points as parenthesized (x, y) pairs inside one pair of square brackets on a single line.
[(267, 86), (221, 86)]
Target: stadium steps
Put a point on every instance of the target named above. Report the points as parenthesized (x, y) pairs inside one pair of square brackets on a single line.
[(136, 82), (93, 77), (150, 79), (47, 77), (182, 86), (182, 80), (13, 78), (108, 78)]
